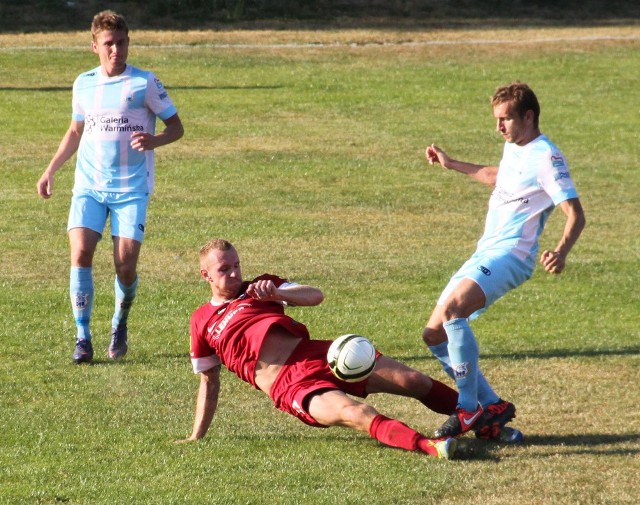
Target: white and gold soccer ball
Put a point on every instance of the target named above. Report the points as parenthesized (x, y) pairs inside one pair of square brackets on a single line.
[(351, 357)]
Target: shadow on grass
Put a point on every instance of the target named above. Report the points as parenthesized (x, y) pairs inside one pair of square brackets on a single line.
[(586, 441), (602, 444), (551, 353), (133, 359)]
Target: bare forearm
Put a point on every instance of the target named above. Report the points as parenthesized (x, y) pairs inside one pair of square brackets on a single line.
[(266, 290), (484, 174), (576, 222), (554, 261), (206, 404), (302, 295), (68, 146), (173, 131)]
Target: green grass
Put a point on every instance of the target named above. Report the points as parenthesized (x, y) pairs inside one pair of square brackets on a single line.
[(310, 159)]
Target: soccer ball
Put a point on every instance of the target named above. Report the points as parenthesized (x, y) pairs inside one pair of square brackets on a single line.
[(351, 357)]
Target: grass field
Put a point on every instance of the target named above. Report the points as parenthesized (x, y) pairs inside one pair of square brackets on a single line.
[(305, 149)]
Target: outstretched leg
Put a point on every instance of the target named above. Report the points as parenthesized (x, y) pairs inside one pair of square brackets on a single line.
[(335, 408), (391, 376)]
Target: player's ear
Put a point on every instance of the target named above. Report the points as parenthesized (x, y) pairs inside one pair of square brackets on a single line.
[(529, 115), (205, 274)]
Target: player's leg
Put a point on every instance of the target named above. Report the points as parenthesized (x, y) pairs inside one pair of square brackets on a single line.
[(451, 314), (392, 377), (125, 257), (82, 243), (335, 408), (476, 286), (87, 217), (128, 219), (486, 394)]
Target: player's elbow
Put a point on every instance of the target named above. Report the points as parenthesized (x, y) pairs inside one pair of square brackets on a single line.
[(179, 131)]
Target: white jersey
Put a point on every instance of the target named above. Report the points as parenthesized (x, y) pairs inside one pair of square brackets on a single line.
[(112, 108), (532, 180)]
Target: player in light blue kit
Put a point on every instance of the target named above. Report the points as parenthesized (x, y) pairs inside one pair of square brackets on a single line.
[(532, 179), (114, 112)]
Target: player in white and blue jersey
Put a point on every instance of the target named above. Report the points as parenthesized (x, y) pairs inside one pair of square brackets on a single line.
[(532, 179), (114, 111)]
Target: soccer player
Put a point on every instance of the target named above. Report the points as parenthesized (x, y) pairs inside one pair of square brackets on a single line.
[(244, 327), (114, 112), (531, 180)]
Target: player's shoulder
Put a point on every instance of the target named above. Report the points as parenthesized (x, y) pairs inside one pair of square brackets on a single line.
[(139, 72), (202, 312), (89, 74), (543, 144)]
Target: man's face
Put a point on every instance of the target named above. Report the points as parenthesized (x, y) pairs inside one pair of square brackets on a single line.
[(112, 48), (513, 128), (222, 270)]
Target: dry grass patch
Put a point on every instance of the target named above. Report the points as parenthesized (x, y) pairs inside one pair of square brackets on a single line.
[(340, 37)]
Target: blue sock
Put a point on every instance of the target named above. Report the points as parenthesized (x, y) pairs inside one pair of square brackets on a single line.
[(81, 291), (441, 352), (463, 352), (124, 299), (486, 395)]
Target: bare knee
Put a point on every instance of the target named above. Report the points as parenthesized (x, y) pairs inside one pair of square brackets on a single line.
[(358, 416), (126, 268), (434, 335), (126, 273)]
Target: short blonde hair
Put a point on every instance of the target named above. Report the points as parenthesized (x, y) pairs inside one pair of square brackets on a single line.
[(215, 244), (108, 21)]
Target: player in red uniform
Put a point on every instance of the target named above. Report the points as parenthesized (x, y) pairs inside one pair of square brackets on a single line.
[(244, 327)]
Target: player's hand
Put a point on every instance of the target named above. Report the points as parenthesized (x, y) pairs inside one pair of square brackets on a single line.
[(436, 155), (553, 261), (45, 185), (185, 440), (264, 290), (142, 141)]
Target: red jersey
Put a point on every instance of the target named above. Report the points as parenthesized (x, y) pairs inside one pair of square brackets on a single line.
[(232, 332)]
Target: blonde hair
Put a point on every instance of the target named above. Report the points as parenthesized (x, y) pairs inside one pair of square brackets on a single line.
[(215, 244), (108, 21)]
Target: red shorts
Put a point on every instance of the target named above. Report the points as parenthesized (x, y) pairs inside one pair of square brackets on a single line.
[(307, 372)]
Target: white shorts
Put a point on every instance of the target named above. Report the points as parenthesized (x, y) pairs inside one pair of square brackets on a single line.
[(128, 211), (496, 275)]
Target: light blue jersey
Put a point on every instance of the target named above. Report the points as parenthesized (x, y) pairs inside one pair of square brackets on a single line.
[(532, 180), (112, 108)]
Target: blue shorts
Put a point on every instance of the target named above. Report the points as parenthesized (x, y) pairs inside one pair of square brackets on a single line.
[(496, 275), (128, 211)]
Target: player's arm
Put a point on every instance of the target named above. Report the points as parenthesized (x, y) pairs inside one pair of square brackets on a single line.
[(206, 403), (554, 261), (297, 294), (143, 141), (483, 173), (68, 146)]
